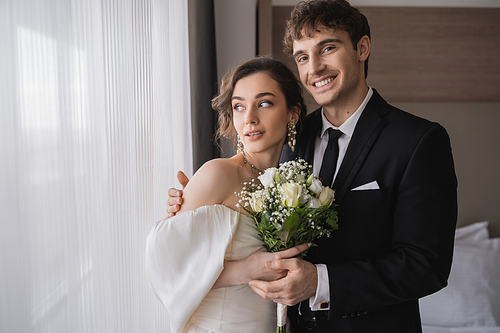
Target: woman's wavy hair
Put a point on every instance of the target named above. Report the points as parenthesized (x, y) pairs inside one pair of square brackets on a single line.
[(309, 17), (277, 70)]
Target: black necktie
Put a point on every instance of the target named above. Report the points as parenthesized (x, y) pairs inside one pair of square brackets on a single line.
[(330, 157)]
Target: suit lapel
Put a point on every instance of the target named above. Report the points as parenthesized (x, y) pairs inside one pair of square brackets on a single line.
[(312, 127), (366, 132)]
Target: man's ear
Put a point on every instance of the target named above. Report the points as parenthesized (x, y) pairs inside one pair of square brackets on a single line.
[(364, 46)]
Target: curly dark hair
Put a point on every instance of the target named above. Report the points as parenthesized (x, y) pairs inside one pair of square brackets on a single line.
[(309, 17), (277, 70)]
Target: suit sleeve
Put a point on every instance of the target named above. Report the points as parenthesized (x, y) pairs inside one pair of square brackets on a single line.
[(422, 218)]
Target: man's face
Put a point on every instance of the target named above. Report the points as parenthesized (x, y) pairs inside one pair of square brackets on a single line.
[(329, 67)]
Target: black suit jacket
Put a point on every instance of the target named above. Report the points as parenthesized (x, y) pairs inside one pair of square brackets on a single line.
[(394, 245)]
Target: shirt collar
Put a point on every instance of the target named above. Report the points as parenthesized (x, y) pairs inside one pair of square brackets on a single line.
[(348, 126)]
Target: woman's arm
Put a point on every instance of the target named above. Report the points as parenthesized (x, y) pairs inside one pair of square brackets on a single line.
[(253, 267), (214, 183)]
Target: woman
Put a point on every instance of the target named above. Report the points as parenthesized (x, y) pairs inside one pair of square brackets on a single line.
[(200, 261)]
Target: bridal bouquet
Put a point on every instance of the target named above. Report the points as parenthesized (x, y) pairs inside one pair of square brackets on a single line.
[(290, 208)]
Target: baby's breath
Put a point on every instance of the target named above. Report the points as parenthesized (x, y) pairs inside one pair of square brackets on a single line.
[(281, 218)]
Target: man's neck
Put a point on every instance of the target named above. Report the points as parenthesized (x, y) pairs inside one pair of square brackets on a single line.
[(339, 111)]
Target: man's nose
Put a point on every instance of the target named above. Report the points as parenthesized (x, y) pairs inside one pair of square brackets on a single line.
[(316, 65)]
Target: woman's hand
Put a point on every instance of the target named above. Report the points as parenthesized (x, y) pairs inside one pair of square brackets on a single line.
[(255, 264), (253, 267)]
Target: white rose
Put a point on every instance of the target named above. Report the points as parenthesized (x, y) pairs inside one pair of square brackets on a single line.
[(314, 203), (304, 198), (316, 186), (291, 194), (256, 202), (267, 178), (277, 177), (326, 195)]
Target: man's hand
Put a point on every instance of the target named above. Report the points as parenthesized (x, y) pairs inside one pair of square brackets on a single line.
[(299, 284), (174, 200), (255, 266)]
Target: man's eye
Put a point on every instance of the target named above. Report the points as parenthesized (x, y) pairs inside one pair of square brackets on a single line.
[(301, 59), (329, 48)]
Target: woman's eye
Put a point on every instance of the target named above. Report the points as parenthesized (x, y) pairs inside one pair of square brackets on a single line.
[(265, 104), (238, 107)]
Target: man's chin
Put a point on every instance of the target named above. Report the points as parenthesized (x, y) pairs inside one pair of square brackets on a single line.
[(324, 100)]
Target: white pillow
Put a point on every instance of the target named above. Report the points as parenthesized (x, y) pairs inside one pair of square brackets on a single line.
[(472, 297), (473, 232)]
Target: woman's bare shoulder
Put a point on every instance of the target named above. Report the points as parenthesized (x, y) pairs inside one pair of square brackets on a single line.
[(213, 183)]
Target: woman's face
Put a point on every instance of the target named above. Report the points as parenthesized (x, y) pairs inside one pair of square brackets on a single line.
[(260, 113)]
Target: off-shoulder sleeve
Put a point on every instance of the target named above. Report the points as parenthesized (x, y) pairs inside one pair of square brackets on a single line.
[(185, 256)]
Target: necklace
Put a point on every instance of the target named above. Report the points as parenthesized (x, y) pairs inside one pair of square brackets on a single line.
[(251, 165)]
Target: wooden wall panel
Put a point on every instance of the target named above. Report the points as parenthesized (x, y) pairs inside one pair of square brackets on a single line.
[(264, 27), (427, 54)]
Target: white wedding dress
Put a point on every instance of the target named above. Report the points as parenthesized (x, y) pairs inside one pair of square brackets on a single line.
[(184, 257)]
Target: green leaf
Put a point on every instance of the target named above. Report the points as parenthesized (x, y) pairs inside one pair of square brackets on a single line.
[(290, 227)]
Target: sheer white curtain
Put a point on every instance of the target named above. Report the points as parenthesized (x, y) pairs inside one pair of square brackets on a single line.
[(94, 123)]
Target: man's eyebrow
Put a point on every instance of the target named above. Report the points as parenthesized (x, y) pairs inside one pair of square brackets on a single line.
[(321, 43), (329, 40), (296, 53)]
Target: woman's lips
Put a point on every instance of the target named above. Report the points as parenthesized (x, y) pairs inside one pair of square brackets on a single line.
[(254, 135)]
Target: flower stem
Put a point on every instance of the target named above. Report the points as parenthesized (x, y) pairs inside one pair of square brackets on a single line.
[(281, 312)]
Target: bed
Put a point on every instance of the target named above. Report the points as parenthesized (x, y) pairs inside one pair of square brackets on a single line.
[(471, 301)]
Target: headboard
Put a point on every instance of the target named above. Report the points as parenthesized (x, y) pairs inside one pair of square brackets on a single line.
[(441, 64)]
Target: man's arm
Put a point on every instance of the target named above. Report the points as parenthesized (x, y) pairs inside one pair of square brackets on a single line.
[(424, 220), (174, 200)]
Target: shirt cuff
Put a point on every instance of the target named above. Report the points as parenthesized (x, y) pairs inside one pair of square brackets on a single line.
[(321, 301)]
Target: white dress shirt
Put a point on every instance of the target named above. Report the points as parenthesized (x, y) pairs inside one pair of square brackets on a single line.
[(322, 298)]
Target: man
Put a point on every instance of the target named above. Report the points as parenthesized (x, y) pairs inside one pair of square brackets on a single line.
[(395, 186)]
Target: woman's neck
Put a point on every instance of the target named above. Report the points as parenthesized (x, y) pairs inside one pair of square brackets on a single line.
[(259, 162)]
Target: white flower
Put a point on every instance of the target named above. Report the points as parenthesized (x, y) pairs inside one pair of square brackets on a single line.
[(316, 186), (304, 198), (267, 178), (291, 194), (300, 179), (326, 196), (256, 201), (314, 203)]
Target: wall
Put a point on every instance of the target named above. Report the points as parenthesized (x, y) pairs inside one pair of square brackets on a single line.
[(235, 29), (474, 134), (235, 38)]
